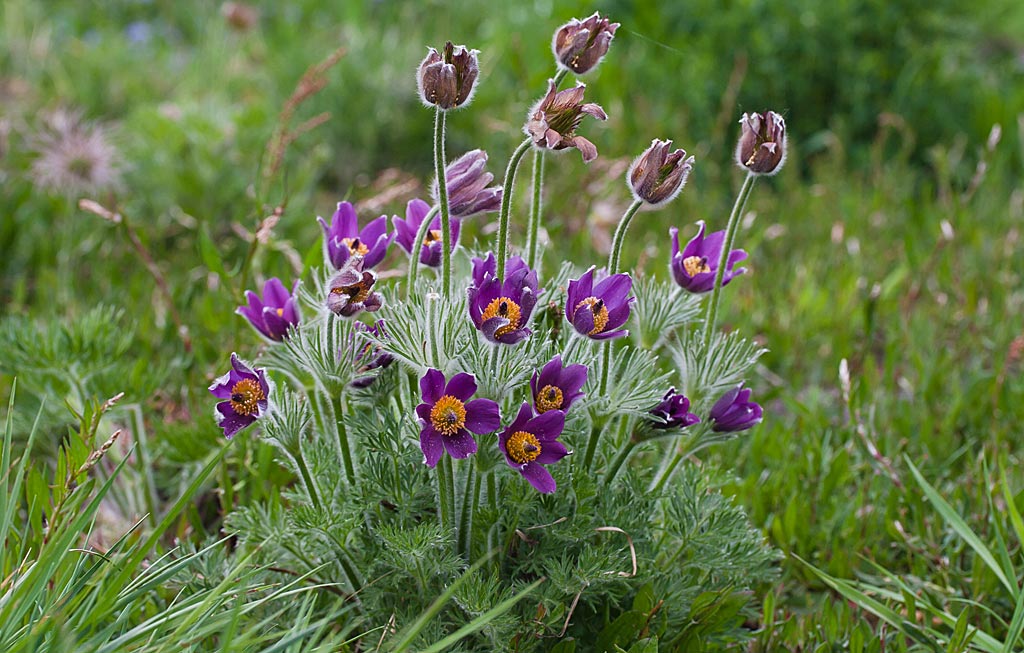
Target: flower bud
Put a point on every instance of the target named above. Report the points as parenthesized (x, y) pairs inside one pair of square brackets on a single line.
[(467, 180), (658, 175), (447, 79), (762, 145), (580, 45), (552, 122)]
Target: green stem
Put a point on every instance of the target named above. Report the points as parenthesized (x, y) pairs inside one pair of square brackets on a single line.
[(723, 260), (536, 207), (432, 334), (506, 203), (307, 479), (442, 201), (446, 494), (613, 266), (667, 472), (417, 249), (559, 76), (595, 436), (492, 504), (465, 539), (624, 453)]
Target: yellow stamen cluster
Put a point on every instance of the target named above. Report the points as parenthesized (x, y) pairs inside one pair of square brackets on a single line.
[(694, 265), (600, 312), (506, 308), (433, 235), (549, 398), (356, 246), (523, 447), (246, 396), (448, 415), (357, 292)]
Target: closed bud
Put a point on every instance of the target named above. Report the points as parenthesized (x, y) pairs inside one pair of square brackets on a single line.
[(467, 179), (762, 145), (580, 45), (447, 79), (658, 175)]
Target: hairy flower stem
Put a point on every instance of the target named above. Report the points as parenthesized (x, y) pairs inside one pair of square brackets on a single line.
[(442, 202), (417, 249), (620, 459), (667, 471), (492, 505), (536, 207), (328, 412), (446, 494), (307, 479), (506, 203), (595, 436), (723, 260), (465, 539), (613, 266), (435, 357)]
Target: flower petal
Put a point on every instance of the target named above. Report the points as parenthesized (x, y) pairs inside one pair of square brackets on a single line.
[(551, 452), (482, 416), (459, 445), (231, 421), (539, 477), (431, 443), (547, 425), (432, 386), (462, 386)]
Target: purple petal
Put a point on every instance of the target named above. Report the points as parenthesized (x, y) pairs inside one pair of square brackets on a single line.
[(551, 452), (583, 321), (573, 378), (673, 233), (618, 316), (462, 386), (374, 229), (221, 386), (274, 293), (613, 289), (432, 386), (344, 223), (231, 421), (423, 411), (549, 374), (404, 234), (431, 443), (460, 445), (491, 326), (482, 416), (546, 426), (277, 326), (608, 335), (539, 477), (513, 337), (693, 247)]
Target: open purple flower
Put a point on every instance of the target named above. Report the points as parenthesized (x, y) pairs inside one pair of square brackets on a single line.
[(245, 391), (407, 229), (274, 312), (598, 310), (343, 237), (448, 417), (673, 411), (553, 120), (694, 268), (734, 411), (531, 442), (467, 180), (352, 289), (501, 310), (557, 386)]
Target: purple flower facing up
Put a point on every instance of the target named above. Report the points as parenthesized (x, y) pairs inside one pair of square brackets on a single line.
[(352, 289), (407, 229), (673, 411), (448, 416), (501, 310), (598, 310), (531, 442), (274, 312), (557, 386), (343, 237), (367, 355), (245, 393), (467, 180), (734, 411), (694, 267)]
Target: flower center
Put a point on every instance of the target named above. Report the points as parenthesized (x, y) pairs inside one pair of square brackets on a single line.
[(506, 308), (694, 265), (280, 312), (433, 236), (246, 396), (600, 312), (549, 398), (356, 246), (523, 447), (357, 292), (448, 415)]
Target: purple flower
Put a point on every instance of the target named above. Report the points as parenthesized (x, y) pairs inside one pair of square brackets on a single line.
[(552, 122), (245, 390), (447, 417), (762, 146), (407, 229), (673, 411), (734, 411), (658, 174), (274, 312), (557, 387), (531, 442), (501, 310), (579, 45), (447, 79), (367, 355), (694, 268), (352, 289), (597, 311), (343, 237), (467, 179)]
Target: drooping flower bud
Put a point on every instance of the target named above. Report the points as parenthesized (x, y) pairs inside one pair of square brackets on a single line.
[(467, 179), (447, 79), (762, 145), (552, 122), (657, 175), (580, 45)]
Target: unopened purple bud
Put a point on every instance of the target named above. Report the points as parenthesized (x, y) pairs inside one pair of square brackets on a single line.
[(447, 79), (657, 175), (579, 45), (734, 411), (762, 145), (673, 411)]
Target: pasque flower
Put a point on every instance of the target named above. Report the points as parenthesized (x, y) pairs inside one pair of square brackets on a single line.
[(531, 442), (501, 309), (343, 237), (272, 314), (579, 45), (734, 411), (367, 355), (245, 392), (598, 310), (447, 79), (552, 122), (448, 417), (351, 290), (762, 145), (658, 174), (557, 386), (468, 193), (673, 411), (694, 267), (406, 230)]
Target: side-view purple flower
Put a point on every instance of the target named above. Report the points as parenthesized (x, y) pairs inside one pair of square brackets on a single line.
[(598, 310), (273, 313), (406, 230), (246, 394), (351, 290), (557, 386), (467, 180), (694, 267), (673, 411), (734, 411)]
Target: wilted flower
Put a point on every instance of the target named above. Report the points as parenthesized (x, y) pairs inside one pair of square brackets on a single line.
[(246, 391), (75, 157), (673, 411), (274, 312), (467, 180), (597, 311), (657, 175), (734, 411), (448, 417), (343, 237), (531, 442), (367, 355), (552, 122), (557, 387), (447, 80), (694, 268), (579, 45), (407, 229), (352, 289), (762, 145), (501, 310)]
